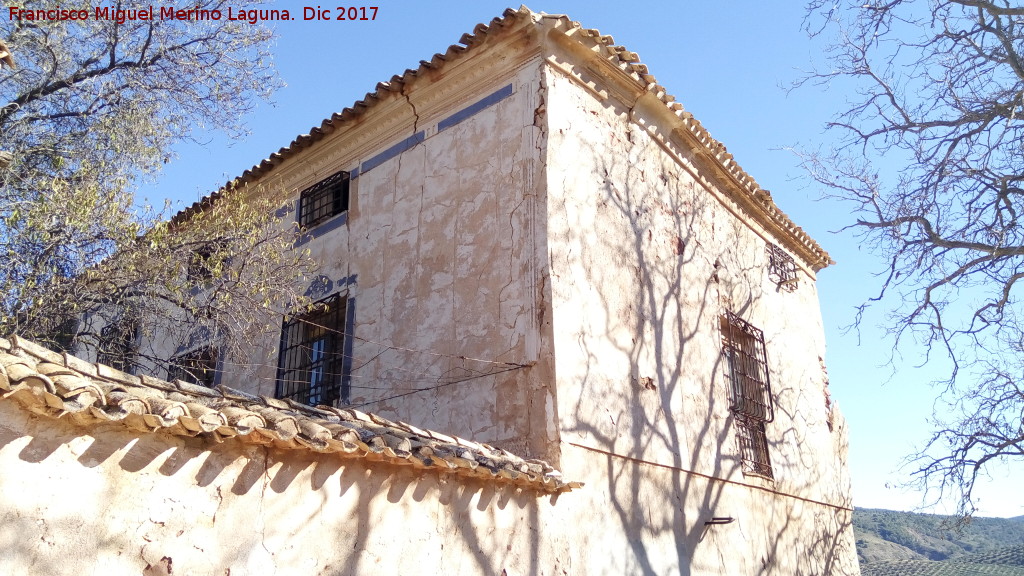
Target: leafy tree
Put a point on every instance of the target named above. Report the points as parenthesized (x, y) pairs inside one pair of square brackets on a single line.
[(90, 110), (114, 96), (939, 91)]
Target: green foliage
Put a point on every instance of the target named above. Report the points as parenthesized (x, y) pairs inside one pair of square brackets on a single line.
[(227, 270), (92, 107), (111, 98), (1005, 562)]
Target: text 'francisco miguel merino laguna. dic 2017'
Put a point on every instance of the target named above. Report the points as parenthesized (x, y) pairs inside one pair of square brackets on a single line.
[(173, 13)]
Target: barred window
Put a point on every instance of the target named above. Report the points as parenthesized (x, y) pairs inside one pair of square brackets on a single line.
[(62, 337), (204, 259), (324, 199), (199, 366), (753, 445), (750, 390), (743, 347), (311, 360), (781, 267), (118, 345)]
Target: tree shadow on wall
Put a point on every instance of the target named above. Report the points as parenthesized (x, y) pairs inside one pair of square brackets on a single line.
[(650, 403)]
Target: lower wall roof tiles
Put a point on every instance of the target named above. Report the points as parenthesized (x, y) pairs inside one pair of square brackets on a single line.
[(61, 385)]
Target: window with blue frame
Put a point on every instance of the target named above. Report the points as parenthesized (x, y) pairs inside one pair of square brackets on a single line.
[(312, 357), (324, 199)]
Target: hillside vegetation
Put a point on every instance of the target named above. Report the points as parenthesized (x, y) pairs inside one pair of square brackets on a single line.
[(891, 543), (1003, 562)]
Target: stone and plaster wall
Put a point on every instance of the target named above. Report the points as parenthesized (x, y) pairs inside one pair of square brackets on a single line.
[(107, 500), (647, 249), (440, 244), (438, 253)]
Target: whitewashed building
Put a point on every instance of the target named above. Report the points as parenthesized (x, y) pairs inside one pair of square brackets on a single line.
[(527, 246)]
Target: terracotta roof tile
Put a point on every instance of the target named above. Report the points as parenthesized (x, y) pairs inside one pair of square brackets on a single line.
[(619, 56), (59, 385)]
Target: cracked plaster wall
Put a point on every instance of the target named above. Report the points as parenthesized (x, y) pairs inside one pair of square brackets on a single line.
[(439, 239), (439, 259)]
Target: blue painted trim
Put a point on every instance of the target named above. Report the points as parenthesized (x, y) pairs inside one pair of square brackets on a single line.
[(323, 228), (473, 109), (391, 152), (346, 362), (282, 211), (280, 355), (353, 174)]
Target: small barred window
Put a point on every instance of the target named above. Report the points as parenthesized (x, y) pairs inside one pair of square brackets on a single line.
[(324, 199), (203, 260), (781, 267), (199, 366), (118, 345)]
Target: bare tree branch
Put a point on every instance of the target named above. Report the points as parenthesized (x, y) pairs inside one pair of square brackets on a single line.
[(940, 89)]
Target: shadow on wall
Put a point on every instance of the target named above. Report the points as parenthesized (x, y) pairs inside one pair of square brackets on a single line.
[(658, 322), (159, 494)]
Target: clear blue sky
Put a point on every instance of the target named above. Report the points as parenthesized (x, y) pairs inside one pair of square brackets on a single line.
[(728, 64)]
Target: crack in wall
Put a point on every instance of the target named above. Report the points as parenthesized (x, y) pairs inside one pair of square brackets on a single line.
[(511, 251), (263, 500), (394, 195), (415, 113)]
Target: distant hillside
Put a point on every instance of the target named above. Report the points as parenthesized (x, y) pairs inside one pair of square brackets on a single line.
[(893, 543), (1003, 562)]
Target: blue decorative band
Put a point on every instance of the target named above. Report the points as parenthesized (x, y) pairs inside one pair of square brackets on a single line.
[(472, 109), (391, 152)]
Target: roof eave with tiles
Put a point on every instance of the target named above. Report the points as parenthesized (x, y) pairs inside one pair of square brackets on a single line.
[(627, 61), (66, 387)]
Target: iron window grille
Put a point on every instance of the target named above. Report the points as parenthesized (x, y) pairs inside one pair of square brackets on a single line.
[(311, 360), (753, 444), (324, 199), (201, 261), (781, 267), (199, 366), (64, 335), (747, 362), (750, 390), (118, 345)]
